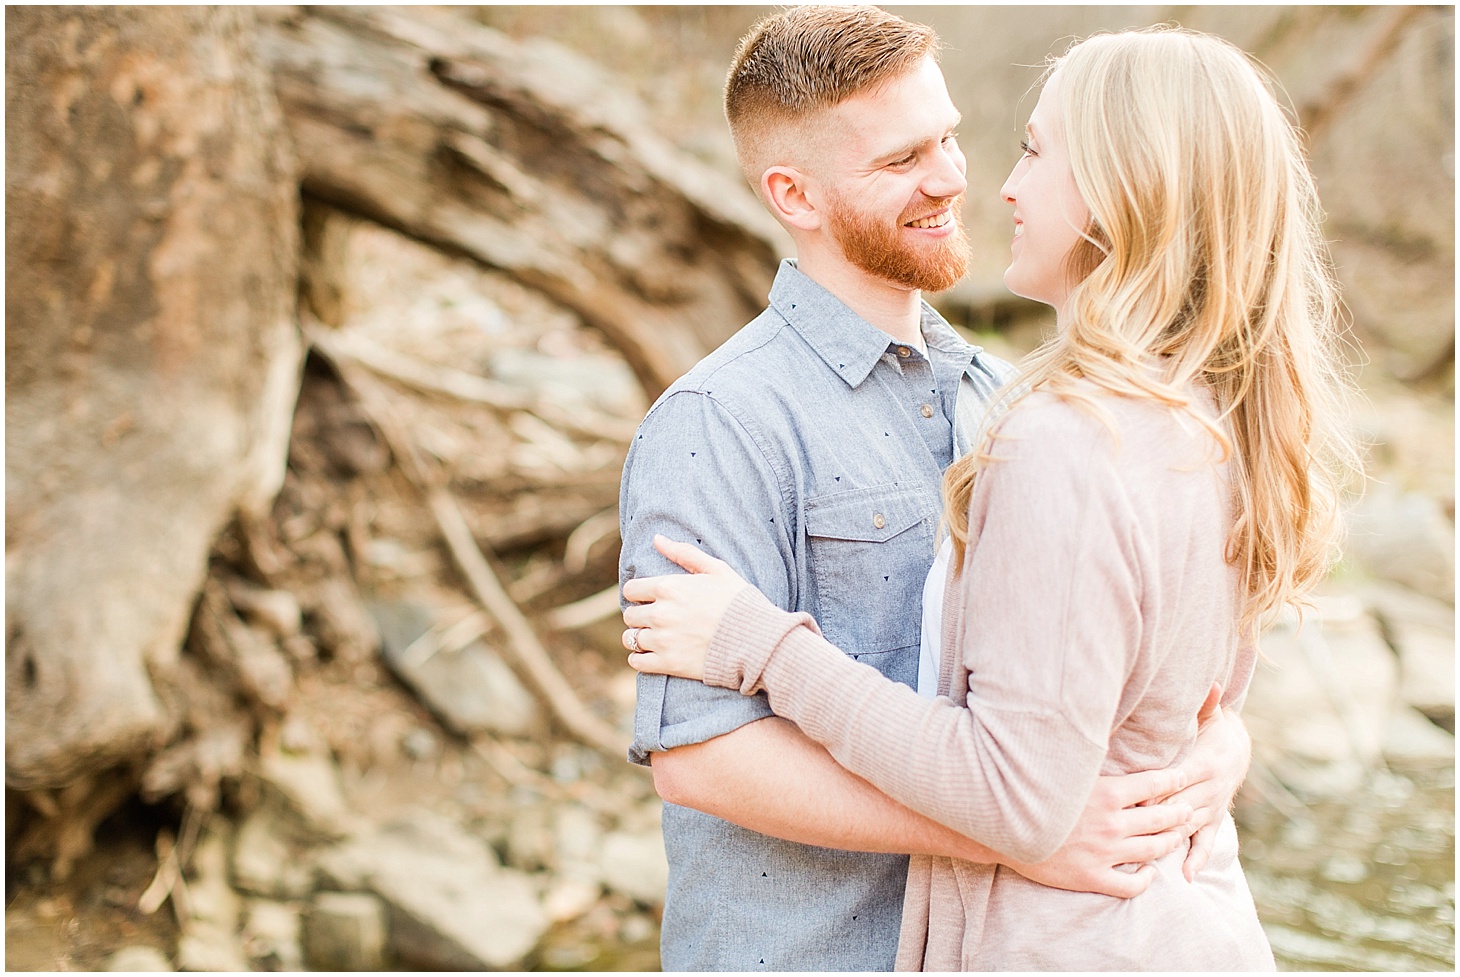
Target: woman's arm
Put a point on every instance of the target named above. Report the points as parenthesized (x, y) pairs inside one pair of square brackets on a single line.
[(1052, 639)]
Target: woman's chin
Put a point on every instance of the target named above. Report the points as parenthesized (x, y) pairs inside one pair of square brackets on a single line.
[(1013, 282)]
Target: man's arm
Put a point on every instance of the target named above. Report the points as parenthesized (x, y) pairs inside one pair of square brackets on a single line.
[(768, 777)]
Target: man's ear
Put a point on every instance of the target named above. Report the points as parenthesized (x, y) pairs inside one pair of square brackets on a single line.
[(793, 196)]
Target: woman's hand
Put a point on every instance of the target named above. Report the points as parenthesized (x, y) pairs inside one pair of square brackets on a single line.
[(673, 617)]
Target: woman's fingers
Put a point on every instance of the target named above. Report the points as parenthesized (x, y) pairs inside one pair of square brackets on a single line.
[(637, 616), (689, 556)]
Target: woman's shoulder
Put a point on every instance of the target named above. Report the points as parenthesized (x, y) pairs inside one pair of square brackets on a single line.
[(1080, 407), (1083, 420)]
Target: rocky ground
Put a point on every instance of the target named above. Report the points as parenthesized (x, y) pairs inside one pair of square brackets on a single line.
[(389, 786)]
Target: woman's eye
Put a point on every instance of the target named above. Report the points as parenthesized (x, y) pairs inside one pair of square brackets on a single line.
[(1027, 149)]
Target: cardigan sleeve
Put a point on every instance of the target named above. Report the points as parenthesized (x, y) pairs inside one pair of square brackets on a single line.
[(1052, 589)]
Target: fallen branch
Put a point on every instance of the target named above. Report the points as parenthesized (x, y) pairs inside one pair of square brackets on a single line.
[(582, 540), (589, 610), (522, 642), (168, 882)]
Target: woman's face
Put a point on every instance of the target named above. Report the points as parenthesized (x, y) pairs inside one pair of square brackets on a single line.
[(1049, 215)]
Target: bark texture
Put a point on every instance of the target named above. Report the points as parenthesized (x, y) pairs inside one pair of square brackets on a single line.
[(523, 157), (152, 355)]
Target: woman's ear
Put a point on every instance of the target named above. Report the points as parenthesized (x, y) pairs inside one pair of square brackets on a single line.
[(794, 197)]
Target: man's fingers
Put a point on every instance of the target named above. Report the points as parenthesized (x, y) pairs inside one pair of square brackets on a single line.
[(1148, 848), (1124, 885), (1147, 786), (1155, 818), (1201, 851), (1211, 705)]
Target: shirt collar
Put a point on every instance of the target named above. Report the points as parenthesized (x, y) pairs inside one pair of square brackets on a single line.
[(849, 344)]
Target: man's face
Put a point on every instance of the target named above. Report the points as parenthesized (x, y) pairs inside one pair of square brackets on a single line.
[(894, 189)]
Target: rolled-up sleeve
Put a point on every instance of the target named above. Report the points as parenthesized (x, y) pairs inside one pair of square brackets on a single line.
[(696, 473)]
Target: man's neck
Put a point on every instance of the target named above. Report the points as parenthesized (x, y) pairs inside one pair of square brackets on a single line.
[(895, 310)]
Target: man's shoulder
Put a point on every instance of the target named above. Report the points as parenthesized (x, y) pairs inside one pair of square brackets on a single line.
[(759, 353), (752, 371)]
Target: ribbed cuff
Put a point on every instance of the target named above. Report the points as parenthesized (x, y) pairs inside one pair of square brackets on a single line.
[(748, 635)]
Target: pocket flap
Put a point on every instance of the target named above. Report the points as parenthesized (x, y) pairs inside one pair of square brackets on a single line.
[(873, 514)]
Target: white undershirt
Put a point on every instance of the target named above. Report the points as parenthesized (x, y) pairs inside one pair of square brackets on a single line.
[(929, 652)]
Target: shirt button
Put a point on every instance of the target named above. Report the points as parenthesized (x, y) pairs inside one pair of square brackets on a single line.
[(927, 410), (878, 521), (904, 352)]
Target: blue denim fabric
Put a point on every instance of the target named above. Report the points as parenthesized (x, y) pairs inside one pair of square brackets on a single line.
[(806, 452)]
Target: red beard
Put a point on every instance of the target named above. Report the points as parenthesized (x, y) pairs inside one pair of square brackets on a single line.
[(879, 248)]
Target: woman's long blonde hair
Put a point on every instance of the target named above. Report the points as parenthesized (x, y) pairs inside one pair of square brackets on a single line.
[(1203, 255)]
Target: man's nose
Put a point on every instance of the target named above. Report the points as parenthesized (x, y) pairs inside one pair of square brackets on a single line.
[(947, 176)]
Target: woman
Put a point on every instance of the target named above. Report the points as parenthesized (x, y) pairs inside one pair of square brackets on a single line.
[(1163, 476)]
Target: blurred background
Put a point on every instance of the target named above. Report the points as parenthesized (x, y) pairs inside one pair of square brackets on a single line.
[(327, 329)]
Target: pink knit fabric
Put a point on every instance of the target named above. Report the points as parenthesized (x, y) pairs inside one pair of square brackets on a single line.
[(1094, 610)]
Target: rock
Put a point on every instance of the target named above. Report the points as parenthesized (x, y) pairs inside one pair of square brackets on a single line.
[(310, 786), (345, 931), (1404, 537), (530, 839), (569, 898), (577, 834), (1410, 736), (344, 626), (138, 960), (634, 864), (264, 860), (470, 688), (278, 610), (1421, 630), (1320, 703), (271, 936), (451, 907)]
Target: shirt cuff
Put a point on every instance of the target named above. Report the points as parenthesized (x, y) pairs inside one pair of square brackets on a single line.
[(748, 635)]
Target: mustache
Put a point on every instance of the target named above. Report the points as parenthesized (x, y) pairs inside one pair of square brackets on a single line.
[(932, 205)]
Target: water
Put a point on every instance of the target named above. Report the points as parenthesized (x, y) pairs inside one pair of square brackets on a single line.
[(1362, 883)]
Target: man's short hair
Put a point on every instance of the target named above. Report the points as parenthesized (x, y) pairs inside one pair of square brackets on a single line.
[(809, 58)]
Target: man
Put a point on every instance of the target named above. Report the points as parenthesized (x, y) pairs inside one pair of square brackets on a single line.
[(807, 452)]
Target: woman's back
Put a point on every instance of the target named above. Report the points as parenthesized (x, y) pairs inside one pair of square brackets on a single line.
[(1095, 610)]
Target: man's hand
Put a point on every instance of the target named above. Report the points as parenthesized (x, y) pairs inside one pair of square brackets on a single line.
[(1124, 823), (1214, 771)]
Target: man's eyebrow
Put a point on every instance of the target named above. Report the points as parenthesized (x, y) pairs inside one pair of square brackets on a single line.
[(909, 148)]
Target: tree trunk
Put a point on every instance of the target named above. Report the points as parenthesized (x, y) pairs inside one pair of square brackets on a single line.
[(152, 355), (523, 157)]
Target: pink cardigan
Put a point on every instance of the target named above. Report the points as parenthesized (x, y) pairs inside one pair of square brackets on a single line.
[(1094, 610)]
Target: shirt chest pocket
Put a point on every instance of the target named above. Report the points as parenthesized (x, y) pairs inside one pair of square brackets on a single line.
[(870, 553)]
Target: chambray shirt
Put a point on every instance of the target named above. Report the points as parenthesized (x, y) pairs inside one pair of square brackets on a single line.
[(807, 452)]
